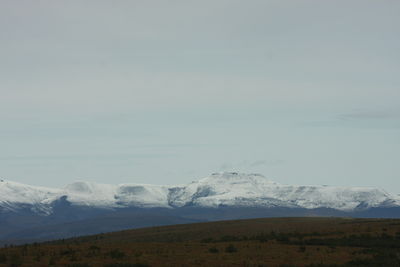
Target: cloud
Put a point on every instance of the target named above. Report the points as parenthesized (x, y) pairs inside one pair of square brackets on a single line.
[(370, 114), (246, 164), (266, 163), (99, 56), (361, 118)]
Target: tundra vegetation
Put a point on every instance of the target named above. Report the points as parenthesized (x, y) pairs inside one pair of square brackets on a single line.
[(282, 242)]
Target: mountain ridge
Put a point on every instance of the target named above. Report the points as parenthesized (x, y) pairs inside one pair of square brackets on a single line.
[(32, 214), (220, 189)]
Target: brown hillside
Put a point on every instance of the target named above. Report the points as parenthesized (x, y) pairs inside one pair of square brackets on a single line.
[(256, 242)]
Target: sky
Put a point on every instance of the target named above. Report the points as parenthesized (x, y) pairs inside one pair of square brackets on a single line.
[(167, 92)]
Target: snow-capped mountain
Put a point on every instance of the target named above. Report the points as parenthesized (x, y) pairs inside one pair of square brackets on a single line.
[(236, 189), (217, 190), (31, 213)]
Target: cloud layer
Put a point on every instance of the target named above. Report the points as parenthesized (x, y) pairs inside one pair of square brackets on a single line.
[(163, 91)]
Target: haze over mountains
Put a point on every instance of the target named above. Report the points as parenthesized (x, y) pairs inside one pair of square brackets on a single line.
[(30, 213)]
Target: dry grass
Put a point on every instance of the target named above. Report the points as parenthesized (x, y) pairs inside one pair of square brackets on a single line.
[(257, 242)]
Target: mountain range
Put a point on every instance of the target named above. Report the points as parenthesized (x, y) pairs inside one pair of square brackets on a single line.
[(31, 213)]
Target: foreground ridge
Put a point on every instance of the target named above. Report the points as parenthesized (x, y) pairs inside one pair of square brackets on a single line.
[(309, 242)]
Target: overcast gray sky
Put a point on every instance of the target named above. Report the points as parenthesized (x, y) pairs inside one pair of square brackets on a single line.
[(165, 92)]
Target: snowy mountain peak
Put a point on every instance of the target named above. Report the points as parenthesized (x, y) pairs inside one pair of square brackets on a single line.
[(219, 189), (14, 196), (80, 187)]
